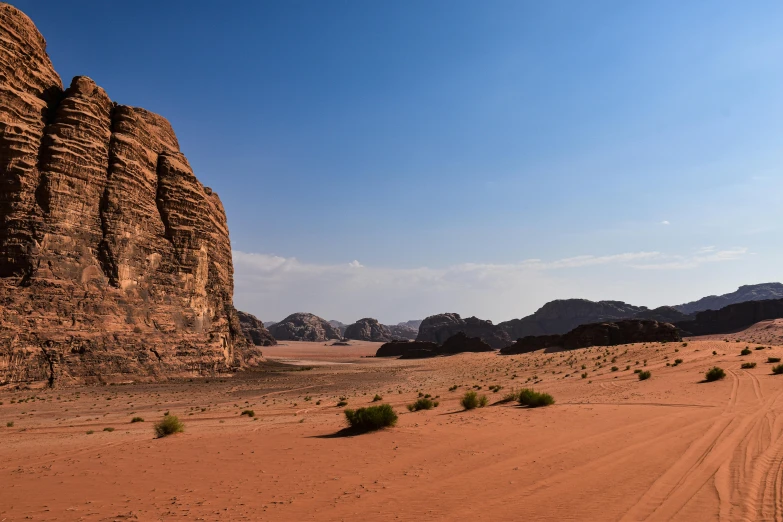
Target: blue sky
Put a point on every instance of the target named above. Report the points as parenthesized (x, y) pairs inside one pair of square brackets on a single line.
[(399, 159)]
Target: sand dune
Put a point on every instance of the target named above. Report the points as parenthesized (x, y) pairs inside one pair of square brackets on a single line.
[(611, 448)]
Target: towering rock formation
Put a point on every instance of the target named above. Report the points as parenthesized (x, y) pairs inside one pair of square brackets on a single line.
[(115, 260), (254, 330)]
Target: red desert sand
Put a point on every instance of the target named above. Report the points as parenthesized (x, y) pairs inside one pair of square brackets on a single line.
[(612, 447)]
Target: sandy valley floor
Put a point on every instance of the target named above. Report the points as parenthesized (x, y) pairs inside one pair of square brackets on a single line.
[(611, 448)]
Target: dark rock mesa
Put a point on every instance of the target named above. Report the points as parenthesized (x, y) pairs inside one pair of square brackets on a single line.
[(438, 328), (115, 261), (368, 329), (457, 343), (599, 334)]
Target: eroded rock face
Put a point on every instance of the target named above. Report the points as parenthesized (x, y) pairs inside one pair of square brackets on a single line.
[(599, 334), (304, 327), (460, 343), (368, 329), (399, 331), (438, 328), (408, 349), (115, 261), (254, 330)]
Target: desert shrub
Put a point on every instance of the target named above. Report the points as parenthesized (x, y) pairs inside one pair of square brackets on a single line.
[(342, 403), (473, 400), (423, 403), (714, 374), (637, 370), (9, 424), (678, 361), (90, 432), (759, 348), (745, 351), (371, 418), (108, 429), (615, 368), (777, 370), (136, 419), (746, 366), (249, 413), (773, 359), (168, 426), (714, 352), (377, 398), (511, 396), (643, 376), (584, 375), (453, 388), (534, 399)]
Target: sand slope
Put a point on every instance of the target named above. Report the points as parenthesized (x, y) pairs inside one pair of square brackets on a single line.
[(611, 448)]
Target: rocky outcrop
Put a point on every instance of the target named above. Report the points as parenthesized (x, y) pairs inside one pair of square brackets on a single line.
[(115, 261), (745, 293), (402, 332), (460, 343), (304, 327), (563, 315), (368, 329), (438, 328), (414, 324), (732, 318), (254, 330), (408, 349), (599, 334)]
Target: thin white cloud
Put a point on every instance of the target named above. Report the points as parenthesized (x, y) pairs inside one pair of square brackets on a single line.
[(665, 222), (273, 286)]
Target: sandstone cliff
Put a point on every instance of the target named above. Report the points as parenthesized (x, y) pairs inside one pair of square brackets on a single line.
[(745, 293), (115, 261), (438, 328), (732, 318), (304, 327)]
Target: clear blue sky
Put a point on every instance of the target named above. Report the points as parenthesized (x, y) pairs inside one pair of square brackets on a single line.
[(398, 159)]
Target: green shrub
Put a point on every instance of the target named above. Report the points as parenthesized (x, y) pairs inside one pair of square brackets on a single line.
[(168, 426), (377, 398), (746, 366), (249, 413), (714, 374), (777, 370), (773, 359), (136, 419), (534, 399), (643, 376), (108, 429), (423, 403), (745, 351), (637, 370), (371, 418), (473, 400), (512, 396)]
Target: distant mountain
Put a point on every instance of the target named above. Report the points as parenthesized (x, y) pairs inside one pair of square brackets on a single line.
[(304, 327), (270, 323), (415, 324), (367, 329), (732, 318), (400, 331), (743, 294), (663, 314), (340, 326), (563, 315)]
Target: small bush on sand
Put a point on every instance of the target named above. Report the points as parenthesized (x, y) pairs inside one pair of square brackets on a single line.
[(777, 370), (342, 403), (534, 399), (90, 432), (168, 426), (643, 376), (423, 403), (773, 359), (249, 413), (371, 418), (747, 366), (512, 396), (714, 374), (136, 419), (377, 398), (746, 351), (9, 424), (759, 348), (473, 400), (615, 368), (108, 429)]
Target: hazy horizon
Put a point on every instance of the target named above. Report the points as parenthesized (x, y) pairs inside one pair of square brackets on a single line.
[(477, 158)]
